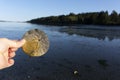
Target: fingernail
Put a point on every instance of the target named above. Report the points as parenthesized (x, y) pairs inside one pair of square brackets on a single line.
[(22, 40)]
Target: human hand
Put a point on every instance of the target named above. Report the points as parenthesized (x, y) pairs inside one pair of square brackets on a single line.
[(7, 51)]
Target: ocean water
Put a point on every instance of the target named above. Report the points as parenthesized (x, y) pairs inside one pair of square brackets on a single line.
[(83, 52)]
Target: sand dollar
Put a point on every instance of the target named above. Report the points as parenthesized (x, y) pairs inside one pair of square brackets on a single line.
[(37, 43)]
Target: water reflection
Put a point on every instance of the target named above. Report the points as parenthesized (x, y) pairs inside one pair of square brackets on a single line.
[(69, 57), (99, 33)]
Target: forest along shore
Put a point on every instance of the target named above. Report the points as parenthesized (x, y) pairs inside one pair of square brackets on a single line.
[(93, 18)]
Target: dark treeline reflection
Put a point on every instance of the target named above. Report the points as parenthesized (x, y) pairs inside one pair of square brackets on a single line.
[(99, 33)]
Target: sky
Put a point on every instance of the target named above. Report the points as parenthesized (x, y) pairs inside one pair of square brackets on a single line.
[(23, 10)]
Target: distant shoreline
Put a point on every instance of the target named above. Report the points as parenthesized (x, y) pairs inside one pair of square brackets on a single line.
[(91, 18), (76, 24)]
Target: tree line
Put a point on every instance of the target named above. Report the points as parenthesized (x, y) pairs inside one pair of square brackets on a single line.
[(93, 18)]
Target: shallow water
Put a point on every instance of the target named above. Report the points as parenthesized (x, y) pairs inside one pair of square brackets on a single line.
[(76, 53)]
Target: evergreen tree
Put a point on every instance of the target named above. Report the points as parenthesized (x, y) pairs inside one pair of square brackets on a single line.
[(114, 17)]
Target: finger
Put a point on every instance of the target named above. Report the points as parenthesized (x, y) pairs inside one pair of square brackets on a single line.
[(12, 54), (14, 49), (10, 62), (16, 44)]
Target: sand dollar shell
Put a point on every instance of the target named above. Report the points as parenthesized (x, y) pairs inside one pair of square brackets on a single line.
[(37, 43)]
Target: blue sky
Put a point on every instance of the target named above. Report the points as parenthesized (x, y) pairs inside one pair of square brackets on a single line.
[(22, 10)]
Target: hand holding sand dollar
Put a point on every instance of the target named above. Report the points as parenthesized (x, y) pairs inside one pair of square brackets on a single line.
[(37, 43)]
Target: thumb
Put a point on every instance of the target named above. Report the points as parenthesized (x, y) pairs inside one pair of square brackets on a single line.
[(16, 44)]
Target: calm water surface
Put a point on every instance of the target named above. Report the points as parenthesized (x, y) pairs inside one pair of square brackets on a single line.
[(76, 53)]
